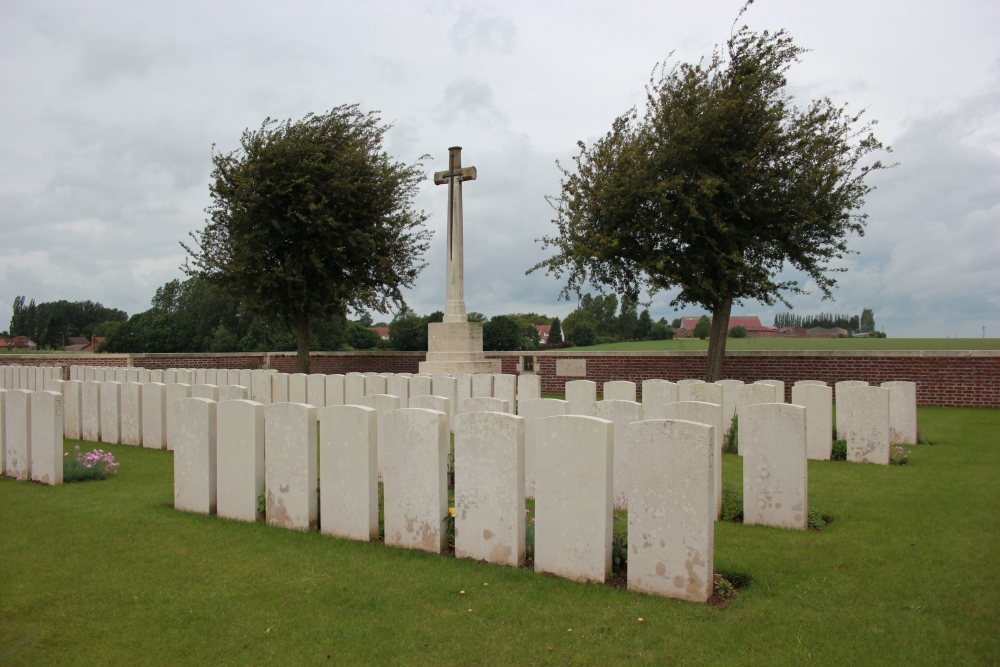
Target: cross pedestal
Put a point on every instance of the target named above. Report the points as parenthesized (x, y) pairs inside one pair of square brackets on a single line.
[(456, 345)]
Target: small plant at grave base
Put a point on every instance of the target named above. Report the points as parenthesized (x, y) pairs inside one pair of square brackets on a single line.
[(262, 504), (732, 504), (87, 466), (529, 535), (731, 439), (725, 588), (816, 520), (449, 527), (839, 452), (899, 455), (619, 555)]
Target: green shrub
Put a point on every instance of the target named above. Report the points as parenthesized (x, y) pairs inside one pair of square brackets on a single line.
[(88, 466), (739, 331), (816, 520), (731, 439), (619, 553), (732, 504), (839, 450)]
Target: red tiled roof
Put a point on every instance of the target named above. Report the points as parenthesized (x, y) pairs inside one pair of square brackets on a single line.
[(749, 323)]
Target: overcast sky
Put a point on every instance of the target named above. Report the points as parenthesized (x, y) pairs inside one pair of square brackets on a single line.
[(109, 110)]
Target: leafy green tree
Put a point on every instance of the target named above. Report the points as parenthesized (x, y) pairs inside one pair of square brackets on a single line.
[(311, 218), (703, 328), (628, 318), (501, 333), (365, 320), (361, 337), (408, 332), (867, 320), (584, 334), (739, 331), (644, 326), (555, 332), (575, 322), (476, 317), (604, 308), (676, 323), (721, 184), (661, 331)]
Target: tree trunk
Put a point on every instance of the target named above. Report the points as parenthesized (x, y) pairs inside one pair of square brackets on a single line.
[(717, 340), (303, 350)]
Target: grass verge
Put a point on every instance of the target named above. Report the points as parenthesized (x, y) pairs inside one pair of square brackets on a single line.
[(108, 573)]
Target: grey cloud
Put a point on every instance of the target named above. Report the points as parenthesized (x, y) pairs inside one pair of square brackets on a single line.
[(475, 32), (469, 100)]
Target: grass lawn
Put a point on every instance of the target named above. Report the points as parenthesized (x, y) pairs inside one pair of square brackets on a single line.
[(769, 344), (107, 573)]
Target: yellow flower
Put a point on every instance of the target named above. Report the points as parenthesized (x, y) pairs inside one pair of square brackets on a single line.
[(451, 511)]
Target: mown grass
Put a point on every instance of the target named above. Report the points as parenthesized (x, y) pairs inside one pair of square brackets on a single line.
[(778, 344), (107, 572)]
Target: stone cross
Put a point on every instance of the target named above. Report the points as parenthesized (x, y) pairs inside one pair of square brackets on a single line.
[(454, 310)]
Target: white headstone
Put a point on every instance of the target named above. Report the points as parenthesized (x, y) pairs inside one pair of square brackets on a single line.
[(505, 388), (17, 434), (279, 387), (375, 384), (234, 392), (47, 437), (752, 394), (482, 385), (415, 486), (260, 386), (573, 511), (582, 397), (463, 389), (864, 413), (383, 404), (489, 488), (175, 392), (779, 389), (348, 477), (619, 390), (131, 414), (902, 412), (730, 397), (209, 391), (212, 376), (684, 388), (838, 390), (90, 422), (447, 387), (195, 460), (240, 455), (672, 467), (354, 389), (154, 416), (72, 409), (298, 388), (532, 410), (775, 470), (485, 404), (111, 417), (711, 415), (334, 389), (529, 387), (420, 385), (621, 414), (3, 430), (290, 465), (659, 392), (818, 402), (199, 376), (706, 392)]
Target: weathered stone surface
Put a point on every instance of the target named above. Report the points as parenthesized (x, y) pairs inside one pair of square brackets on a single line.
[(573, 510), (421, 385), (505, 388), (195, 455), (185, 376), (621, 414), (817, 399), (429, 402), (348, 477), (838, 390), (154, 415), (240, 456), (375, 385), (706, 392), (398, 385), (90, 401), (3, 430), (532, 410), (779, 389), (446, 386), (658, 392), (72, 409), (334, 389), (17, 434), (131, 414), (575, 368), (209, 391), (244, 377), (817, 382), (684, 388), (489, 488), (290, 465), (529, 387), (463, 390), (354, 389), (730, 397), (902, 412), (47, 437), (279, 387), (199, 376), (383, 404), (582, 397), (157, 375), (260, 386), (212, 376), (709, 414), (775, 471), (414, 470), (752, 394), (619, 390), (143, 376), (864, 413), (482, 385), (316, 390), (672, 508), (111, 417), (175, 392), (234, 392), (484, 404), (298, 391), (52, 384)]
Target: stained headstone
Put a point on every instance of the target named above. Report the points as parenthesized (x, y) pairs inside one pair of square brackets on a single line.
[(414, 469), (482, 385), (582, 397), (334, 389), (290, 465), (194, 439), (111, 415), (529, 387), (17, 434), (90, 422), (684, 387), (154, 416), (47, 437), (354, 389), (619, 390), (175, 392), (711, 415), (573, 507), (240, 458), (864, 413), (131, 414), (485, 404), (505, 388), (348, 478), (818, 402), (672, 466), (234, 392), (489, 488), (775, 470), (72, 409), (621, 414), (902, 412), (838, 390), (260, 386), (658, 392), (752, 394), (532, 410), (279, 387)]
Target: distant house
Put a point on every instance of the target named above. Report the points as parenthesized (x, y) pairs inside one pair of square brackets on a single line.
[(826, 332), (383, 332), (18, 343), (94, 343), (752, 324), (76, 343), (543, 333)]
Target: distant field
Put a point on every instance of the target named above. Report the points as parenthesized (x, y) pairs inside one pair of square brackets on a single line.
[(739, 344)]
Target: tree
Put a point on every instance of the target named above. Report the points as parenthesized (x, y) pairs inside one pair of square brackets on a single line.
[(628, 318), (361, 337), (502, 333), (703, 328), (311, 218), (644, 327), (739, 331), (717, 188), (555, 332), (580, 325), (867, 320)]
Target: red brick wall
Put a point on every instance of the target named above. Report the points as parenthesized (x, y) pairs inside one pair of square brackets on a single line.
[(947, 378)]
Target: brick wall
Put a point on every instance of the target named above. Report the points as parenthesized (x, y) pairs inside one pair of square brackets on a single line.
[(945, 378)]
